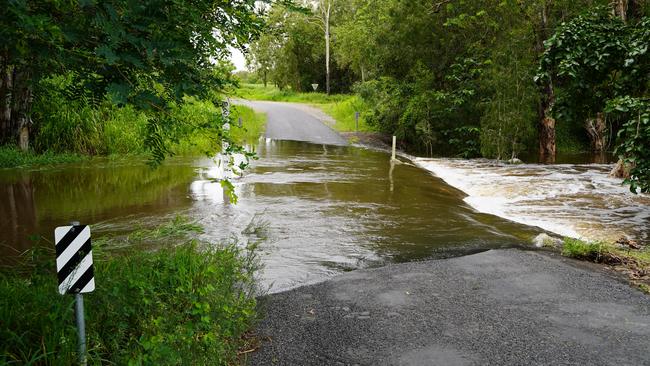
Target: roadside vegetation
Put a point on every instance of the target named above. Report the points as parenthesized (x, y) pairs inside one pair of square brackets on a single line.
[(624, 257), (119, 77), (72, 133), (12, 157), (163, 297)]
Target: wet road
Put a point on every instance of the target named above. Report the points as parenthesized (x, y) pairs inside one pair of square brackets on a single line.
[(501, 307), (296, 122)]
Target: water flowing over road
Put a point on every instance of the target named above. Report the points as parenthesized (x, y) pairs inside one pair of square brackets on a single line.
[(577, 200), (324, 209)]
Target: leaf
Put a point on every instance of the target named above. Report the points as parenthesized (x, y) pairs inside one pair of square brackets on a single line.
[(118, 93)]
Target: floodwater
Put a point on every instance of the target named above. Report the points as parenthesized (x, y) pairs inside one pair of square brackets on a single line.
[(322, 209), (319, 209), (576, 200)]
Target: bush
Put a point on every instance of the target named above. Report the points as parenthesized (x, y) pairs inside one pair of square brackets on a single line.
[(184, 304)]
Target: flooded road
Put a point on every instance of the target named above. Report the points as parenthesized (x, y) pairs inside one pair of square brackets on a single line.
[(320, 208), (323, 209)]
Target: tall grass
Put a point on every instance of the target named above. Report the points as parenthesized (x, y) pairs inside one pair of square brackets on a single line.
[(83, 126), (188, 303), (202, 142), (11, 157)]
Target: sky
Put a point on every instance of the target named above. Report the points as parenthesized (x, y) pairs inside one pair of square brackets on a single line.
[(238, 59)]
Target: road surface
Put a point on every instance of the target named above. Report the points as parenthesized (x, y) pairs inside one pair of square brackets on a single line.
[(297, 122), (500, 307)]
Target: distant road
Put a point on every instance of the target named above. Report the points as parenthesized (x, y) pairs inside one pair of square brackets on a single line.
[(297, 122)]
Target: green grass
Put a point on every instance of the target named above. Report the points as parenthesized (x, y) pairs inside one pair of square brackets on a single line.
[(253, 124), (340, 106), (579, 249), (634, 262), (259, 92), (201, 143), (11, 157), (188, 302)]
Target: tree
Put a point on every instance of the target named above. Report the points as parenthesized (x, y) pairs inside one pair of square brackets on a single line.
[(602, 68), (150, 54), (261, 57), (325, 9)]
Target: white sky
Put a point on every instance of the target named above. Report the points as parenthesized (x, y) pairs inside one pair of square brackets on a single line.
[(238, 59)]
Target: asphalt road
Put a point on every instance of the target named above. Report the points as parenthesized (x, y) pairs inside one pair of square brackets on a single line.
[(501, 307), (297, 122)]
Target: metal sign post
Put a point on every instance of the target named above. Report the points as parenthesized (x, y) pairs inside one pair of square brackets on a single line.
[(74, 267), (356, 120), (225, 165)]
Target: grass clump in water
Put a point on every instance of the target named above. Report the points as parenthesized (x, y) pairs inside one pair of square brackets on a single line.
[(185, 304)]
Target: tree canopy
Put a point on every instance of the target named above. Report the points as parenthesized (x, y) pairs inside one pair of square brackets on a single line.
[(149, 54)]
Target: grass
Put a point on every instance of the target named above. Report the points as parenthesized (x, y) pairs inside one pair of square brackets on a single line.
[(634, 262), (259, 92), (341, 107), (188, 302), (11, 157), (253, 124), (200, 143)]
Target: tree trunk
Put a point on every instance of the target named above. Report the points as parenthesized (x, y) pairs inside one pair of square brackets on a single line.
[(21, 108), (327, 47), (547, 140), (547, 148), (596, 130), (6, 86), (619, 9), (363, 74)]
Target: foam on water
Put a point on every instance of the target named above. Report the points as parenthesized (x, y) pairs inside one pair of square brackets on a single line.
[(580, 200)]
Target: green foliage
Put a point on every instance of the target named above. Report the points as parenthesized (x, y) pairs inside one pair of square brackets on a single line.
[(186, 303), (635, 139), (601, 64), (579, 249), (291, 52), (147, 54), (11, 157), (584, 59)]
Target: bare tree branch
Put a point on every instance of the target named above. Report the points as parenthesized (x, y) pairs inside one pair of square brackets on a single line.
[(438, 6)]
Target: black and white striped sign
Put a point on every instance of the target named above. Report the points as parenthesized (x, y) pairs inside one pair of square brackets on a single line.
[(74, 259)]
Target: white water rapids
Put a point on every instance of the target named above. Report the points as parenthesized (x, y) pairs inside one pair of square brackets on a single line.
[(576, 200)]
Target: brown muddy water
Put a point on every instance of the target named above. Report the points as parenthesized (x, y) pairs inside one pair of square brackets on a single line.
[(323, 209)]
